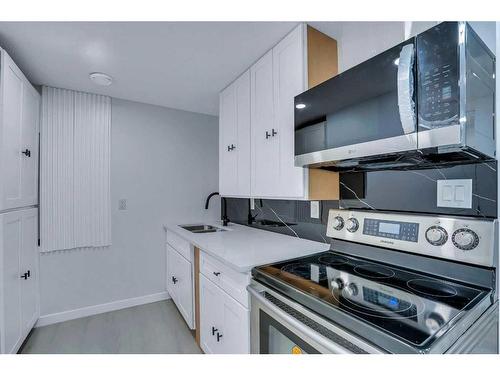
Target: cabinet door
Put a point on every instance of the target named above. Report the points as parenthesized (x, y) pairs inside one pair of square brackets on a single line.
[(234, 138), (236, 328), (228, 162), (20, 115), (210, 317), (29, 265), (12, 104), (265, 147), (180, 284), (29, 141), (289, 81), (11, 237)]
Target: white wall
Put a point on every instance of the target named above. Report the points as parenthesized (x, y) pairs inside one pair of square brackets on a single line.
[(164, 162), (359, 41)]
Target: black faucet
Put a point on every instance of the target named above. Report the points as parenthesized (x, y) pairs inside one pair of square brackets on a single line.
[(225, 219)]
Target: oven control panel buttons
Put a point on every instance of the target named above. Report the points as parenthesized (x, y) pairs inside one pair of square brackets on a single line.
[(465, 239), (337, 284), (436, 235), (352, 225), (351, 290), (338, 223)]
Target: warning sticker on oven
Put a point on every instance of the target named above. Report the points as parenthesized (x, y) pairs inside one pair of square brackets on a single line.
[(296, 350)]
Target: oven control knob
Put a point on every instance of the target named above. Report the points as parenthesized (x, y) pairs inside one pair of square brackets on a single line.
[(338, 223), (436, 235), (352, 225), (337, 284), (351, 290), (465, 239)]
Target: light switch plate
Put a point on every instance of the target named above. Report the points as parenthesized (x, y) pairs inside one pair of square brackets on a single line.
[(454, 193), (122, 204), (315, 209)]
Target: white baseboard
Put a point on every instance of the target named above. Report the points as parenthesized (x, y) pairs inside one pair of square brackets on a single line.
[(99, 309)]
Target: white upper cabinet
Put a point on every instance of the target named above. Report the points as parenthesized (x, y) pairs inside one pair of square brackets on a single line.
[(234, 138), (304, 58), (289, 81), (265, 144), (19, 124)]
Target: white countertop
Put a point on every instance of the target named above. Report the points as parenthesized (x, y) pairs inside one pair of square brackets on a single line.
[(243, 248)]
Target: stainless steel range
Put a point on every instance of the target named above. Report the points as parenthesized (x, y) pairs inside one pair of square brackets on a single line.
[(391, 283)]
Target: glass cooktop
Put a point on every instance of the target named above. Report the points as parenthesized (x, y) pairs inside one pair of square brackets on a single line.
[(410, 306)]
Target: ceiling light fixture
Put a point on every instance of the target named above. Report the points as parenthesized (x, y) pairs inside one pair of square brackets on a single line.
[(101, 79), (300, 106)]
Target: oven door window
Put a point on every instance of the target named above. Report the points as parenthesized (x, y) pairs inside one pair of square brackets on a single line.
[(275, 338)]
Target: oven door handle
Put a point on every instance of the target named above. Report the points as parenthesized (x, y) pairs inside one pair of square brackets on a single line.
[(304, 331), (406, 88)]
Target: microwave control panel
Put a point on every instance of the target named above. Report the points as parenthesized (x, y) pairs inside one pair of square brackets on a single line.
[(438, 76)]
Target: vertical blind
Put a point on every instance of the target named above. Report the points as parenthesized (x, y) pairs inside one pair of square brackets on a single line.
[(75, 148)]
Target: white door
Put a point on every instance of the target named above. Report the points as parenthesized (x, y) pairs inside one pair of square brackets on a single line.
[(289, 81), (19, 148), (264, 143), (12, 107), (11, 237), (210, 317), (228, 162), (29, 266), (236, 328), (29, 145), (242, 150), (181, 284), (234, 138)]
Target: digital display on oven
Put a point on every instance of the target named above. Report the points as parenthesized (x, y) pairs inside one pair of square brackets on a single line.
[(382, 299), (397, 230), (389, 228)]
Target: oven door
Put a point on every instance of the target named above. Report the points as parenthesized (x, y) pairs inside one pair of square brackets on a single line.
[(365, 112), (281, 326)]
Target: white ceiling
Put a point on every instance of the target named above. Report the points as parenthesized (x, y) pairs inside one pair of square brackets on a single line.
[(180, 65)]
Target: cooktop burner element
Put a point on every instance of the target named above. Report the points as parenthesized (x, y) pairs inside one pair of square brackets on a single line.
[(410, 306), (432, 288), (332, 259), (374, 271)]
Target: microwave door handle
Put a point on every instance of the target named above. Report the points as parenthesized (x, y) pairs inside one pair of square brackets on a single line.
[(406, 88)]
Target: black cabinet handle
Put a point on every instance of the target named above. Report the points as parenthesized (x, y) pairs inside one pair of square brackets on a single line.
[(274, 132), (214, 330), (29, 273), (216, 273), (218, 337), (25, 276), (27, 153), (174, 279), (267, 134), (231, 148)]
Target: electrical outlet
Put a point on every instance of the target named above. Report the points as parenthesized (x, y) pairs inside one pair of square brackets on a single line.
[(454, 193), (314, 209), (252, 204), (122, 204)]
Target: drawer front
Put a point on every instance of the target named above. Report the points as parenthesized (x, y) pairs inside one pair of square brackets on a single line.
[(180, 284), (232, 282), (182, 246)]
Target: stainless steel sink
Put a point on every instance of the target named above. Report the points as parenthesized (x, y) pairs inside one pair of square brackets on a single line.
[(201, 228)]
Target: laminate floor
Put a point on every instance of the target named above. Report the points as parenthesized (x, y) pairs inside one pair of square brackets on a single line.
[(152, 328)]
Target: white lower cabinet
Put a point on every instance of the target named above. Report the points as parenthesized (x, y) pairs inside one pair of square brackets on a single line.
[(224, 323), (19, 302), (180, 284)]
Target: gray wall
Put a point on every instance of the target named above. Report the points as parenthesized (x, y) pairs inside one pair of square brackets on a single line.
[(164, 162)]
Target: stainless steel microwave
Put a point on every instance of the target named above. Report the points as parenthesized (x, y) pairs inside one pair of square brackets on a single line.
[(433, 94)]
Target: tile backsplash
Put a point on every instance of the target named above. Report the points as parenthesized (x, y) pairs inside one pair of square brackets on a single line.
[(412, 190)]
